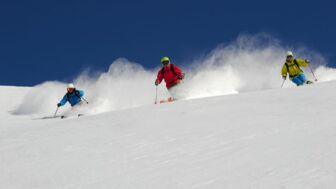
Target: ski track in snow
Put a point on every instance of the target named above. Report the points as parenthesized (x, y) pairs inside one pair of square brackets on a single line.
[(283, 138)]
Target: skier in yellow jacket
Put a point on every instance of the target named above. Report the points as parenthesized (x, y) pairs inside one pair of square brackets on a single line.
[(292, 68)]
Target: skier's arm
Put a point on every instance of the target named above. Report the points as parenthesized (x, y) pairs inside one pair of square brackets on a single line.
[(179, 72), (302, 63), (63, 101), (159, 78), (81, 93), (284, 71)]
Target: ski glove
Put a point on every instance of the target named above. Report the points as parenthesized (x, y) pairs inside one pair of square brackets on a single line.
[(156, 82), (181, 76), (59, 105), (284, 77), (307, 61)]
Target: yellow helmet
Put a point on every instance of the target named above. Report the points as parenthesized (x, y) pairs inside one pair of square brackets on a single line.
[(165, 59)]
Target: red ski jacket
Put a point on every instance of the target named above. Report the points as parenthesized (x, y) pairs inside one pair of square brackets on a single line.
[(171, 74)]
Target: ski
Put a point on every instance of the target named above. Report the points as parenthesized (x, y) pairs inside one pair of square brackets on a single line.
[(64, 116), (49, 117), (170, 99), (309, 82)]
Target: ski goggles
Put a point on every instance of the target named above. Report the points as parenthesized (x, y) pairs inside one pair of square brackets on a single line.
[(70, 89), (165, 63)]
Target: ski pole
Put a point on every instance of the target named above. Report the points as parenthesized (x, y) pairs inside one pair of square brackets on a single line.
[(85, 100), (156, 94), (56, 112), (312, 72), (283, 82)]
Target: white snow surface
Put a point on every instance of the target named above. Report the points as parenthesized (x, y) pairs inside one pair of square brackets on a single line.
[(278, 138)]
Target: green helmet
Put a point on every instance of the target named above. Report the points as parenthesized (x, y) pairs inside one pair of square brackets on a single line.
[(165, 59)]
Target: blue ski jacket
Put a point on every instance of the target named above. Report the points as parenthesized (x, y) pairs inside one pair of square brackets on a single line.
[(73, 98)]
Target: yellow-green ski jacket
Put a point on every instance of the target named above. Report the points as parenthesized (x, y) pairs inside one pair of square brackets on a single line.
[(293, 67)]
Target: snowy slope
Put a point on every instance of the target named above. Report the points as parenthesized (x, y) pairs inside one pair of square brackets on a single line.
[(284, 138)]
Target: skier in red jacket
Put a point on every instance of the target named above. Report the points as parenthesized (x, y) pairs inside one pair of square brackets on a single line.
[(173, 77)]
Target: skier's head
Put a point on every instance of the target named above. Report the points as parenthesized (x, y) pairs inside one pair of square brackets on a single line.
[(165, 61), (70, 87), (289, 56)]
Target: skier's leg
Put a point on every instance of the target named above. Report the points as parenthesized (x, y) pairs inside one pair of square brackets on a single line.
[(176, 91), (297, 81), (76, 109), (304, 80), (302, 77), (172, 91)]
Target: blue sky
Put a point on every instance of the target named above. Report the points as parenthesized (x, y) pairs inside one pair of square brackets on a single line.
[(56, 40)]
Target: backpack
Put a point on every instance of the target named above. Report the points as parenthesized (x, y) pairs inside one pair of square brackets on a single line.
[(296, 63), (171, 68)]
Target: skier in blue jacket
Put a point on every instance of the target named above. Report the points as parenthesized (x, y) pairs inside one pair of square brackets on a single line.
[(73, 96)]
